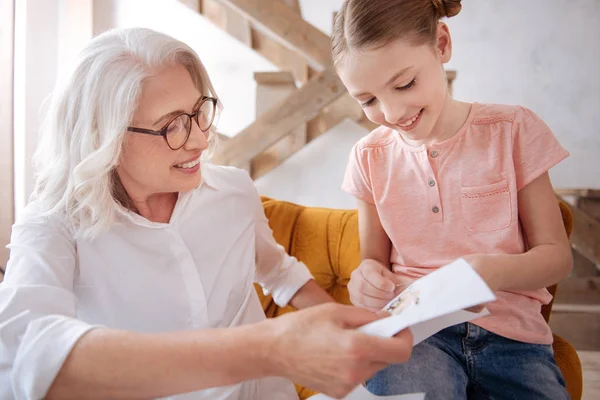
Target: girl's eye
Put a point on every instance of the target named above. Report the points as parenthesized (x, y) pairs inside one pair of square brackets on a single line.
[(408, 86), (368, 103)]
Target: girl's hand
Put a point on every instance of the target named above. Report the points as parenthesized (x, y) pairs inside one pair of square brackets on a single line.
[(482, 265), (372, 285)]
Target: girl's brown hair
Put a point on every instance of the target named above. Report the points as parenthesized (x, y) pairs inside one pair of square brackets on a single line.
[(375, 23)]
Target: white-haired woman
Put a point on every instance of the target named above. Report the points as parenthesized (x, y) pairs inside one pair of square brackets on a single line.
[(131, 270)]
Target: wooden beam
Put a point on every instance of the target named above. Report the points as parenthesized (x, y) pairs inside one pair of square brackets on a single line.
[(574, 290), (590, 206), (576, 308), (238, 27), (282, 57), (298, 108), (294, 5), (588, 193), (345, 107), (214, 12), (227, 19), (275, 52), (586, 235), (222, 141), (274, 78), (286, 26), (195, 5), (7, 35), (580, 329), (272, 87), (582, 267)]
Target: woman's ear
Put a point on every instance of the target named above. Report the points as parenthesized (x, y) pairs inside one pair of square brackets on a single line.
[(443, 44)]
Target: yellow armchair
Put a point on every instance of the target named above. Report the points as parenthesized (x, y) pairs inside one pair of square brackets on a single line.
[(326, 240)]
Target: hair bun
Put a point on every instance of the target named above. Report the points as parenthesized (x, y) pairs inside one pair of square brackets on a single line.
[(446, 8)]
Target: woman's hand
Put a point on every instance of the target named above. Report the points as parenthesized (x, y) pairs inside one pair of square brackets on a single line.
[(320, 348)]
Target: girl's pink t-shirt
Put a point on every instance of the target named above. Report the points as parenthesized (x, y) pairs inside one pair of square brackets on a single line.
[(459, 197)]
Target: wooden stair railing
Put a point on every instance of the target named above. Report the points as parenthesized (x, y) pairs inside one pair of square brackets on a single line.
[(586, 221)]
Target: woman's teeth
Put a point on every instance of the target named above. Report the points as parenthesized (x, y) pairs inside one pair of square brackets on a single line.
[(191, 164)]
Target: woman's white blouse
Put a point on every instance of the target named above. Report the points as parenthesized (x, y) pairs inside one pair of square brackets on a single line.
[(195, 272)]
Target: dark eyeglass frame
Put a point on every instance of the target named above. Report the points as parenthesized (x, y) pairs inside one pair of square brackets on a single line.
[(193, 117)]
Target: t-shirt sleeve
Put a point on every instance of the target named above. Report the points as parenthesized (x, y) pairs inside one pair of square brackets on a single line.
[(535, 148), (357, 181)]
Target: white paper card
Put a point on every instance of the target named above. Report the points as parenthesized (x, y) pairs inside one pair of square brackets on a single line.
[(427, 306), (361, 393), (434, 302)]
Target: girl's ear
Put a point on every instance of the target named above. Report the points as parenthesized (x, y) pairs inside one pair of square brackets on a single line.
[(443, 44)]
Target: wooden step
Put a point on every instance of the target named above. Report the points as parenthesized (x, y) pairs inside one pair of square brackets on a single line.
[(578, 290), (590, 363), (581, 329), (576, 308)]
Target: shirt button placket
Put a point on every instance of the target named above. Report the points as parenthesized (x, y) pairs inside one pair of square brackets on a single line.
[(434, 193)]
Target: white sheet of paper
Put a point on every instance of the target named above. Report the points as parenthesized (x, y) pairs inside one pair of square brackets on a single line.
[(427, 306), (435, 302), (361, 393)]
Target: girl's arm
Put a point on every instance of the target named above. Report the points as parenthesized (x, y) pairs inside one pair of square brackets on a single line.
[(548, 259), (372, 284), (374, 242)]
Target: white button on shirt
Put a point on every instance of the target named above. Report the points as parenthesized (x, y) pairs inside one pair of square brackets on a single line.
[(196, 272)]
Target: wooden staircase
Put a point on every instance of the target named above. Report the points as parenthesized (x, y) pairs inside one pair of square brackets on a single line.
[(576, 311), (288, 117)]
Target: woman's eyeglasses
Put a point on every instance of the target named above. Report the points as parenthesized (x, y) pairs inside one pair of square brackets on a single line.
[(177, 131)]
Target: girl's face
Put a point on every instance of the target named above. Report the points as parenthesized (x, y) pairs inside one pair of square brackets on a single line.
[(400, 85)]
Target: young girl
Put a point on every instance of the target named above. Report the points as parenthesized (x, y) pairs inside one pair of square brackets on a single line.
[(442, 179)]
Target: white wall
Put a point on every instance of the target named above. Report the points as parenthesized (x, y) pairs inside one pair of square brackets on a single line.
[(36, 64), (542, 54), (48, 36)]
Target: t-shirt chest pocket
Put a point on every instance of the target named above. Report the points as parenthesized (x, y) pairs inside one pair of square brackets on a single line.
[(486, 208)]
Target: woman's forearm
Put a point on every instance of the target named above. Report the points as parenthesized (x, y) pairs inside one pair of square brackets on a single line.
[(310, 295), (125, 365)]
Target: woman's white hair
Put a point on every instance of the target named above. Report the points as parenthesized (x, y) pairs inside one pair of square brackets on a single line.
[(84, 130)]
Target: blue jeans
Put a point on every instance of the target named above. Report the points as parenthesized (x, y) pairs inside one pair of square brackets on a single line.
[(469, 362)]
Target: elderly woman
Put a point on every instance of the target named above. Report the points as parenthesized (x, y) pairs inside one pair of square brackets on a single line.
[(131, 270)]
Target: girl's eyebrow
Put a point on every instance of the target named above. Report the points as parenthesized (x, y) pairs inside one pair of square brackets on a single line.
[(392, 79)]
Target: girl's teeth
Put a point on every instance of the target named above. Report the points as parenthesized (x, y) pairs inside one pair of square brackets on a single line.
[(188, 165), (412, 121)]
